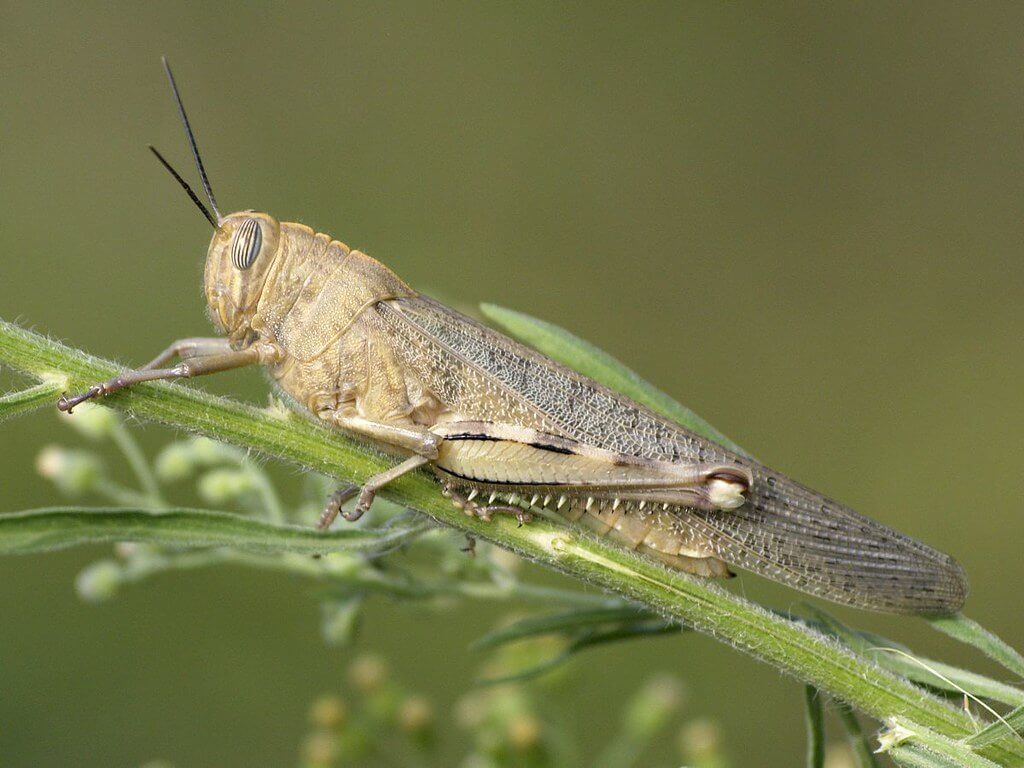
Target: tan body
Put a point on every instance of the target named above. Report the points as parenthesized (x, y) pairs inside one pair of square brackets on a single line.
[(508, 429), (504, 425), (331, 312)]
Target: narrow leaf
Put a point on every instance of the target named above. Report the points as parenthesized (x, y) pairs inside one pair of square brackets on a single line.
[(588, 640), (44, 530), (914, 756), (971, 632), (1011, 727), (562, 623), (903, 661), (960, 753), (582, 356), (24, 401), (791, 646)]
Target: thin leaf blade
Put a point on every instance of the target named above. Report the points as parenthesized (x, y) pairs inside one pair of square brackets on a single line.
[(971, 632), (24, 401), (46, 530), (562, 623)]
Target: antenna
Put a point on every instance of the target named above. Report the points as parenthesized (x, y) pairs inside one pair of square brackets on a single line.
[(191, 194), (192, 145)]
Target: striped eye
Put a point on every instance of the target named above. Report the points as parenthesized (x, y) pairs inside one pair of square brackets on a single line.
[(247, 243)]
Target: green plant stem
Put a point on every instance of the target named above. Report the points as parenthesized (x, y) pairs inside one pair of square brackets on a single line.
[(815, 717), (915, 756), (855, 738), (790, 646), (268, 496), (1010, 727), (907, 732), (122, 496), (17, 403), (136, 459)]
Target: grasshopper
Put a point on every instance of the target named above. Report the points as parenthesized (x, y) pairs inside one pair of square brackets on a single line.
[(507, 430)]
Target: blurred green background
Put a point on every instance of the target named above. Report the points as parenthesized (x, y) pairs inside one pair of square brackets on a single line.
[(802, 220)]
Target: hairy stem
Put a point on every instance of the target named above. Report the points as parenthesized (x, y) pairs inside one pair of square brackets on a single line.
[(788, 645), (17, 403)]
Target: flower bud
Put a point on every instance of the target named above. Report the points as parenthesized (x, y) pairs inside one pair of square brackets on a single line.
[(175, 462), (700, 742), (415, 715), (339, 620), (342, 565), (99, 581), (320, 750), (210, 453), (651, 707), (96, 422), (524, 731), (220, 486), (328, 712), (368, 672), (50, 462), (74, 472)]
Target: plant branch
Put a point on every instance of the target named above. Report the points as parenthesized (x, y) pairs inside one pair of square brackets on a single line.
[(17, 403), (789, 645)]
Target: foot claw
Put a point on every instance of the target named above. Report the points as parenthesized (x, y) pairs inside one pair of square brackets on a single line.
[(357, 512), (334, 504), (67, 403)]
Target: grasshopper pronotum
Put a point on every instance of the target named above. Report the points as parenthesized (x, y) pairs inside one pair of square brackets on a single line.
[(506, 429)]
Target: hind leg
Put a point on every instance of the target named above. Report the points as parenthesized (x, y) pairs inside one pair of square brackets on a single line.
[(485, 512)]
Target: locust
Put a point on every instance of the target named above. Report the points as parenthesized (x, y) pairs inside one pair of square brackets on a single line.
[(507, 430)]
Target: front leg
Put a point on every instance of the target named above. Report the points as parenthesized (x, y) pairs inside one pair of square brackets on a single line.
[(211, 356), (402, 434), (197, 346)]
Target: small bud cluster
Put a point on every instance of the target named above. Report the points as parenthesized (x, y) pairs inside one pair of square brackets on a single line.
[(384, 716)]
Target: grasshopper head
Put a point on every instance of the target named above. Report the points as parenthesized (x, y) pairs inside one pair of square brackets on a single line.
[(244, 245), (241, 251)]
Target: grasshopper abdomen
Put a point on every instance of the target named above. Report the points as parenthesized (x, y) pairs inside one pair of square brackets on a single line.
[(505, 426)]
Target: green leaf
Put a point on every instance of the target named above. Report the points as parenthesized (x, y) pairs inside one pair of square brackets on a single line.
[(902, 661), (18, 403), (45, 530), (969, 631), (903, 732), (856, 738), (565, 622), (914, 756), (1010, 728), (814, 716), (582, 356), (588, 640), (789, 645), (583, 628)]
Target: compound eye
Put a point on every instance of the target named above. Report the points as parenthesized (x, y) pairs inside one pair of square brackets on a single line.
[(247, 243)]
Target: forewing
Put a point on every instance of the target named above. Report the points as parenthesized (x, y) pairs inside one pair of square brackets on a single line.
[(784, 531), (793, 535)]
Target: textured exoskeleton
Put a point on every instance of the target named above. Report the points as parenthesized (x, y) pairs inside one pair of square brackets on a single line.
[(507, 429)]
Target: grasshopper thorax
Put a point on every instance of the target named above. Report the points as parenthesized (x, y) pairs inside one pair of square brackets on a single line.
[(242, 249)]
